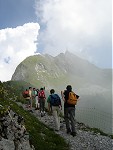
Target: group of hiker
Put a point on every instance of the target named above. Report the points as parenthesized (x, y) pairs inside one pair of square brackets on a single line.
[(69, 98), (37, 96)]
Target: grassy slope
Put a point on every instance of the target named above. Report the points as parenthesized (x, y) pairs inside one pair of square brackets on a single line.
[(46, 78), (41, 136)]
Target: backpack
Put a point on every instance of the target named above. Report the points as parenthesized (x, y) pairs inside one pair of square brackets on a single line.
[(25, 94), (37, 92), (72, 99), (41, 94), (55, 100)]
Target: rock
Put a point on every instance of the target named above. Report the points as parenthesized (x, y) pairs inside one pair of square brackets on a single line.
[(13, 134), (6, 144)]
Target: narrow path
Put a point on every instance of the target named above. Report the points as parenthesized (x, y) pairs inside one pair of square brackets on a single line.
[(85, 140)]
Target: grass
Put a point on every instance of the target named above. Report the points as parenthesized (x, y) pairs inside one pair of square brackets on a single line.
[(41, 136)]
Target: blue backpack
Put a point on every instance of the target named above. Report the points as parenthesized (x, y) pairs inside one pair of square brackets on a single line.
[(55, 100)]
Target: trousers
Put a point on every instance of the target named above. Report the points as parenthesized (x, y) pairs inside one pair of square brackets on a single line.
[(56, 115), (69, 116)]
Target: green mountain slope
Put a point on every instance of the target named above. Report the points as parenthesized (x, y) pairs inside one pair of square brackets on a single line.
[(57, 72)]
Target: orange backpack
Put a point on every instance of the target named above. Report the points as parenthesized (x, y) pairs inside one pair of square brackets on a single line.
[(72, 98)]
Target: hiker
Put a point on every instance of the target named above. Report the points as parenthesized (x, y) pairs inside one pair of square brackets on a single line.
[(41, 99), (37, 102), (26, 96), (25, 93), (35, 97), (54, 106), (49, 104), (69, 110), (34, 93), (30, 98)]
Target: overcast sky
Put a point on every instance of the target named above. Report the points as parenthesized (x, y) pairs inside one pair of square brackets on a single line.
[(83, 27)]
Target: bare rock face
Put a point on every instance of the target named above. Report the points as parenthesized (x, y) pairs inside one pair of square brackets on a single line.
[(6, 144), (13, 132)]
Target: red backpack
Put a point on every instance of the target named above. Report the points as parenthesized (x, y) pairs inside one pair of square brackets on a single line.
[(41, 94), (25, 94)]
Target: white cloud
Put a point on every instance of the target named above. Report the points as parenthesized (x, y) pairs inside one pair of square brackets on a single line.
[(81, 26), (15, 45), (112, 38)]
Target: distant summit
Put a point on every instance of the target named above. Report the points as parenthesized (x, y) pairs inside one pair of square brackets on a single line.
[(65, 68)]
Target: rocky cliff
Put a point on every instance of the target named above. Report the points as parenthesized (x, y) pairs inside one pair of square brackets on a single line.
[(13, 132)]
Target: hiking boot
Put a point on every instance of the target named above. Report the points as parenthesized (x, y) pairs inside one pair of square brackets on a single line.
[(56, 130), (73, 134), (68, 131), (44, 113), (41, 114), (31, 110)]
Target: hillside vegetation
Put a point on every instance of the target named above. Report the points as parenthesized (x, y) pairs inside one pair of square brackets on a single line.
[(41, 136)]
